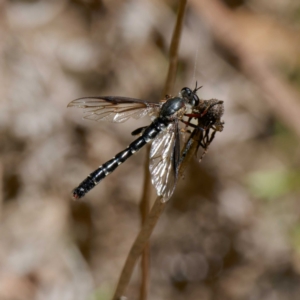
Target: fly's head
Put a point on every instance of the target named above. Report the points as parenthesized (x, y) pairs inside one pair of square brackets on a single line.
[(190, 96), (211, 112)]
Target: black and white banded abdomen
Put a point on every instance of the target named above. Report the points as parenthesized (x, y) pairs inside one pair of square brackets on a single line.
[(95, 177)]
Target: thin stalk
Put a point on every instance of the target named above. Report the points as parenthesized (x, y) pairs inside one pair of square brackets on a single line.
[(145, 201), (154, 215), (144, 210), (174, 47)]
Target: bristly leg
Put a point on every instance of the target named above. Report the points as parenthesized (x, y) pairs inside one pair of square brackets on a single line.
[(205, 142)]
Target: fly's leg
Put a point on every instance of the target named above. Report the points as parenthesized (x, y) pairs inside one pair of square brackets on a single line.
[(139, 130), (193, 125), (205, 142)]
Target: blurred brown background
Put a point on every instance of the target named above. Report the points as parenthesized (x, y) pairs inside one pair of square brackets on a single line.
[(232, 228)]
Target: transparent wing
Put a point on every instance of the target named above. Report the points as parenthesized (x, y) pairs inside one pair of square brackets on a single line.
[(164, 161), (115, 109)]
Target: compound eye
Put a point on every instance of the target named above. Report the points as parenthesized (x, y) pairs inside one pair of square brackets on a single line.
[(196, 100), (186, 91)]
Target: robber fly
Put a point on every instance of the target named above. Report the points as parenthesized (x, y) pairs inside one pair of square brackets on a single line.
[(163, 132)]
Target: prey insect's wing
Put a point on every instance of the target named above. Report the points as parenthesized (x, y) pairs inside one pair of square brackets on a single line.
[(164, 161), (115, 109)]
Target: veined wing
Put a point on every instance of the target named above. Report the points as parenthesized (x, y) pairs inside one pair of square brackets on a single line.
[(164, 161), (115, 109)]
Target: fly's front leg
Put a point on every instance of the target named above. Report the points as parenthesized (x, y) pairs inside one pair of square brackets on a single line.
[(206, 141), (139, 131), (198, 115), (191, 125), (187, 124)]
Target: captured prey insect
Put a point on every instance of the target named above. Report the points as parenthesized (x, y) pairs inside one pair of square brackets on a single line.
[(163, 131), (208, 115)]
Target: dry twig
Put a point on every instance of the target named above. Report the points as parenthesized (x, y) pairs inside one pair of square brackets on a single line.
[(173, 54), (144, 210), (145, 233), (141, 241)]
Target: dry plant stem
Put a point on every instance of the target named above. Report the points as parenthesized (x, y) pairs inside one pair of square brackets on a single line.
[(145, 233), (1, 188), (173, 54), (281, 97), (138, 246), (145, 202), (145, 272), (144, 210)]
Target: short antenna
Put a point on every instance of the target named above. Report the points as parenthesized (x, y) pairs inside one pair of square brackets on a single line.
[(197, 88)]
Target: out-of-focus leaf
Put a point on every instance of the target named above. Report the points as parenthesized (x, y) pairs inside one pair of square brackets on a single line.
[(273, 184), (104, 292)]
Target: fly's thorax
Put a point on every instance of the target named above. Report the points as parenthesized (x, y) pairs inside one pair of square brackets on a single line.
[(160, 124), (172, 109)]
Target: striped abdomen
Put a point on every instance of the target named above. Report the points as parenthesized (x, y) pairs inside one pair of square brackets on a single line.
[(95, 177)]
